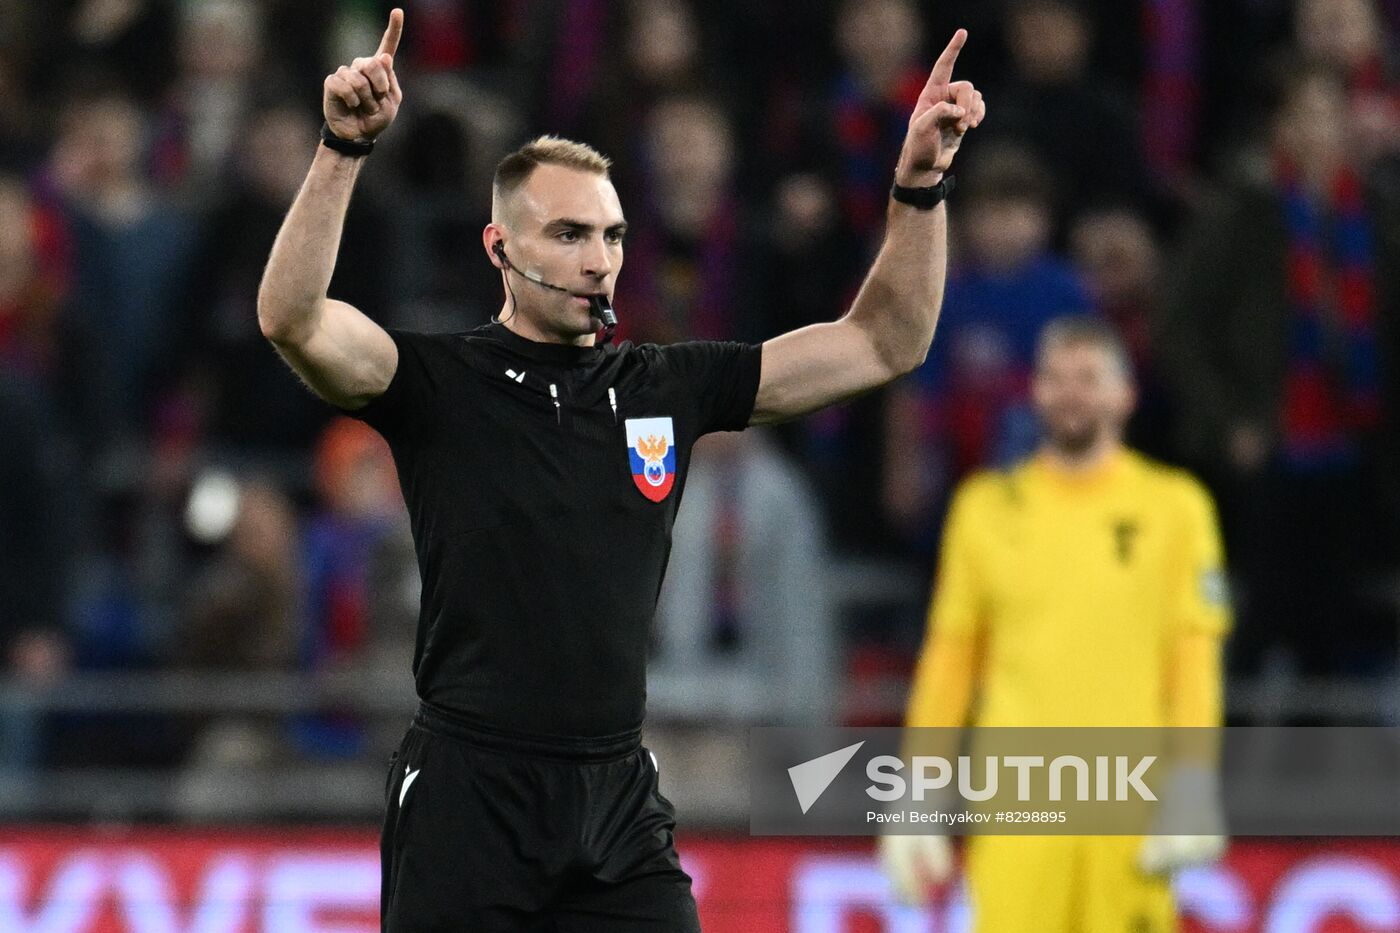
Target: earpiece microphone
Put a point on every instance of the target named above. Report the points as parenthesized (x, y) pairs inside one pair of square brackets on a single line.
[(600, 307), (501, 252)]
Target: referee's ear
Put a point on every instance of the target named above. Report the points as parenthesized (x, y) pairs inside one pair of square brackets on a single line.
[(494, 242)]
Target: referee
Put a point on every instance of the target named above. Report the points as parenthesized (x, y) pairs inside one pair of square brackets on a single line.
[(542, 467)]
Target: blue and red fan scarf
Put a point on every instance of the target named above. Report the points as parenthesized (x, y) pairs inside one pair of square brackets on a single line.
[(869, 133), (1332, 387)]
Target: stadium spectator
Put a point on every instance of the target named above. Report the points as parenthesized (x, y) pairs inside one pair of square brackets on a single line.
[(1279, 334), (221, 68), (21, 148), (1071, 119), (33, 279), (243, 608), (808, 254), (659, 56), (968, 406), (879, 42), (131, 250), (744, 628), (687, 259), (48, 361), (1348, 35), (43, 342), (1171, 86), (241, 615), (361, 577), (34, 565), (1116, 252), (85, 43), (808, 264), (438, 215)]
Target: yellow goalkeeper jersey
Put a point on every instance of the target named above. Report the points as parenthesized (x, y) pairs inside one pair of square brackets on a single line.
[(1077, 589)]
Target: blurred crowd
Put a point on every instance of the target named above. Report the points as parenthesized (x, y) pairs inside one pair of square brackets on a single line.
[(1218, 179)]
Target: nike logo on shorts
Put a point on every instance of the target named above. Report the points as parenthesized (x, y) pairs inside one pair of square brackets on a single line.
[(408, 777)]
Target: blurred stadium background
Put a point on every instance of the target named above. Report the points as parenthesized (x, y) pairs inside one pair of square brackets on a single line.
[(207, 589)]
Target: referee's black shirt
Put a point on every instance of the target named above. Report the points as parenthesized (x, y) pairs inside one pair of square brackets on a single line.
[(542, 530)]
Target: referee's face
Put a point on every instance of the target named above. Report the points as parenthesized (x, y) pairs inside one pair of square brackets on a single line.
[(1083, 395), (566, 226)]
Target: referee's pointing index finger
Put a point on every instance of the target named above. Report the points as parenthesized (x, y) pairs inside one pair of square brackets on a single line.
[(390, 42), (943, 68)]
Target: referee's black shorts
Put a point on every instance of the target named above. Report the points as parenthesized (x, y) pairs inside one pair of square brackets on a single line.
[(484, 834)]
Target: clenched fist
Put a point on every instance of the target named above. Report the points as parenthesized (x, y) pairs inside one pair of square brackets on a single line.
[(361, 99)]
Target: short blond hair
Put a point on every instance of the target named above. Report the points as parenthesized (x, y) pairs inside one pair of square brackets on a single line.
[(515, 169)]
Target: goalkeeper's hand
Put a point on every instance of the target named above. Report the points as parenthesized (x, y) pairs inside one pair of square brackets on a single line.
[(1162, 855), (913, 863)]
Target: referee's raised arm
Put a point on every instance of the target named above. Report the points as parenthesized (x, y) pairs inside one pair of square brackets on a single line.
[(343, 356)]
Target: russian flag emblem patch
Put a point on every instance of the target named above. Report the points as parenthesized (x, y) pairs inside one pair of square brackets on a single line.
[(651, 448)]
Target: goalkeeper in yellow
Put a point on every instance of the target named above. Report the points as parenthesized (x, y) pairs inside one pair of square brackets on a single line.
[(1083, 587)]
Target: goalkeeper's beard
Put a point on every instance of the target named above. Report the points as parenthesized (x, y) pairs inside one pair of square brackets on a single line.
[(1076, 443)]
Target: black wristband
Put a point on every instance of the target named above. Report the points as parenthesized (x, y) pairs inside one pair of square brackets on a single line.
[(925, 199), (350, 147)]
